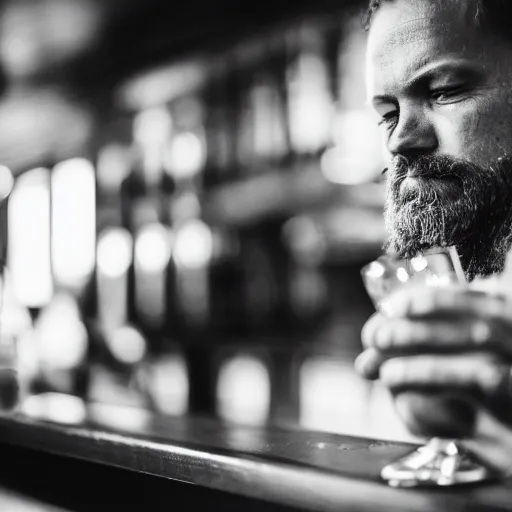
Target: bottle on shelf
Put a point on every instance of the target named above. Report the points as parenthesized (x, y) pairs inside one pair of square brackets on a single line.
[(119, 345), (113, 165), (30, 279), (307, 286), (73, 224), (145, 193), (185, 161), (29, 245), (309, 92), (16, 372), (192, 253), (143, 189), (220, 97), (268, 109), (61, 341)]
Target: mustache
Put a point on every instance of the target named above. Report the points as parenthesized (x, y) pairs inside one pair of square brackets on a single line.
[(444, 166), (437, 177), (430, 166), (441, 176)]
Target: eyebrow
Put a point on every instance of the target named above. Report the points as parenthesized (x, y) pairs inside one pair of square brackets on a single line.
[(459, 67)]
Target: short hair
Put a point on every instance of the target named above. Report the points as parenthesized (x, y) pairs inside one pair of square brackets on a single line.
[(494, 16)]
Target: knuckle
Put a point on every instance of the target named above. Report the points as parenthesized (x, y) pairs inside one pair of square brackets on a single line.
[(497, 306), (384, 336), (393, 372), (361, 364), (423, 332), (423, 302), (481, 333), (398, 334), (368, 332), (492, 377), (407, 333)]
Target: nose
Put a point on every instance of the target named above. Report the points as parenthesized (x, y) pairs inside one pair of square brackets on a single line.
[(414, 133)]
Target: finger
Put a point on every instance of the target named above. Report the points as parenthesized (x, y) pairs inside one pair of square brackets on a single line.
[(414, 336), (478, 374), (450, 301), (371, 328), (368, 363), (387, 338)]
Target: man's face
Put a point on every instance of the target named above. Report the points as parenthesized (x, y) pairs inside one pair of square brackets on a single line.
[(443, 92)]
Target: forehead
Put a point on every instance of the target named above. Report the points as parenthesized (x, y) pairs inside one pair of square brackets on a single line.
[(406, 35)]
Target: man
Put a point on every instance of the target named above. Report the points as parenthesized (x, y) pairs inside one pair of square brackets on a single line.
[(440, 79)]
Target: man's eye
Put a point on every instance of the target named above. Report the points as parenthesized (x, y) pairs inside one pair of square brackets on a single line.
[(389, 118), (446, 94)]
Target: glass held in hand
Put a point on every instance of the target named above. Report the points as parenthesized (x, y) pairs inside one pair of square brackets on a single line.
[(433, 268), (441, 462)]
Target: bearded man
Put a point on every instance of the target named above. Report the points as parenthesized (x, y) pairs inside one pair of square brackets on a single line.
[(439, 77)]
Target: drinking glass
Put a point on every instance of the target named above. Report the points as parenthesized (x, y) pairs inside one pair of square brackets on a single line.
[(440, 462)]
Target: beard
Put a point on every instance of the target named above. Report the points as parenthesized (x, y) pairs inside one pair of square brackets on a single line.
[(440, 201)]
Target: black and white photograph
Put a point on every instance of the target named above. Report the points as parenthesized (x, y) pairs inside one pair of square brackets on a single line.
[(255, 256)]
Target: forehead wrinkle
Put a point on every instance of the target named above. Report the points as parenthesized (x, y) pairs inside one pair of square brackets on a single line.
[(400, 37), (408, 21), (400, 73), (409, 66)]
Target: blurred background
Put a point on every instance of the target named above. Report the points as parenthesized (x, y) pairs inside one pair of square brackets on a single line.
[(194, 188)]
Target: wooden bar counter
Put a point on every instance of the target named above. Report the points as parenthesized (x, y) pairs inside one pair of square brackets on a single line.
[(96, 457)]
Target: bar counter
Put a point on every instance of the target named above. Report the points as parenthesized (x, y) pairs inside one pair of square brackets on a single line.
[(122, 452)]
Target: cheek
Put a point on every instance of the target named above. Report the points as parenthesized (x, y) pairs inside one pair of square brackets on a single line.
[(475, 131)]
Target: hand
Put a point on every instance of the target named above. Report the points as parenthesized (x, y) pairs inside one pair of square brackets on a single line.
[(446, 354)]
